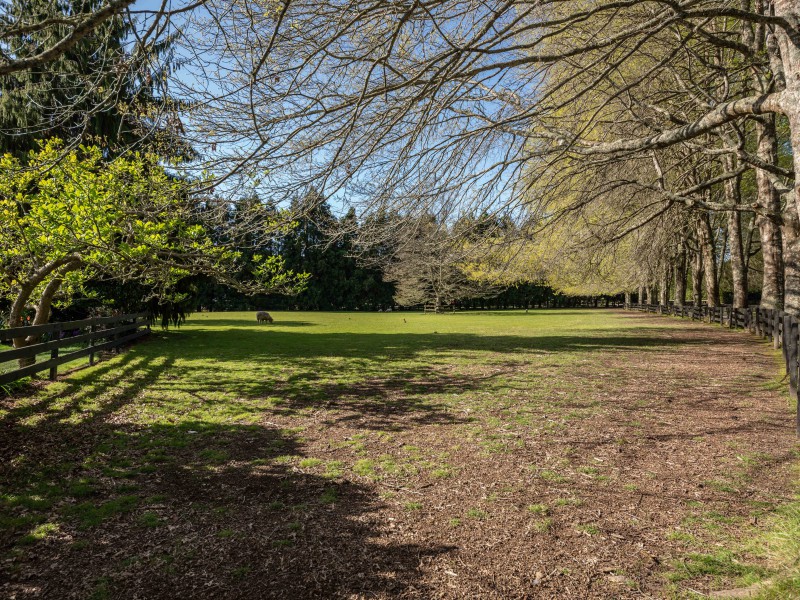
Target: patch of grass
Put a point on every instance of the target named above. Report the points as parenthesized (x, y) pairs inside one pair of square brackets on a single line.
[(329, 496), (214, 456), (721, 486), (477, 514), (101, 589), (310, 463), (681, 536), (333, 469), (413, 506), (780, 543), (723, 563), (589, 528), (149, 519), (539, 509), (442, 472), (552, 476), (82, 488), (571, 501), (364, 467), (89, 514), (241, 572), (543, 525), (40, 532)]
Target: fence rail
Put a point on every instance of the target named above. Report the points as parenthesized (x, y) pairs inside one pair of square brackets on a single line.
[(782, 328), (116, 331)]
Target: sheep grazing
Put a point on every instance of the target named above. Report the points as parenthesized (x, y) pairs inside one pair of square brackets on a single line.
[(263, 317)]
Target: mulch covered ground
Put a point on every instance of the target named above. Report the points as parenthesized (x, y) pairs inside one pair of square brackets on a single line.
[(598, 487)]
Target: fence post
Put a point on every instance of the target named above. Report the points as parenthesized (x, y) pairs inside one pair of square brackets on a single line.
[(786, 344), (795, 366), (776, 330), (92, 329), (791, 363), (115, 337), (54, 368)]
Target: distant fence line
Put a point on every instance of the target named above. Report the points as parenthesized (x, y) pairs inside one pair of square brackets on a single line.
[(782, 328), (115, 330)]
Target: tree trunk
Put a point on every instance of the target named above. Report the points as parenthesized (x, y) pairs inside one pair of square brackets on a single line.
[(732, 188), (791, 259), (627, 298), (663, 288), (697, 277), (640, 295), (43, 309), (738, 268), (680, 275), (15, 319), (706, 241), (58, 269), (647, 298), (769, 230), (790, 103)]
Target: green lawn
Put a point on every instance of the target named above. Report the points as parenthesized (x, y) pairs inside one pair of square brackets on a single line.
[(6, 367), (382, 446)]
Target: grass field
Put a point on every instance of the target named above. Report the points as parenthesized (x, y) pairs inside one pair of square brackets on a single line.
[(549, 454)]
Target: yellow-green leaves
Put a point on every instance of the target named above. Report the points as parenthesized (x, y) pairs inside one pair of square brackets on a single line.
[(123, 219)]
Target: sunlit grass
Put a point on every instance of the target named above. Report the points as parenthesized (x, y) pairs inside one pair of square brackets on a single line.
[(187, 401)]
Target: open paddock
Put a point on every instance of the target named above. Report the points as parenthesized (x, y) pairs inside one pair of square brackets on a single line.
[(553, 454)]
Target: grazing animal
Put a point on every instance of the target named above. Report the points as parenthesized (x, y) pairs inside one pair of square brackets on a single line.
[(263, 317)]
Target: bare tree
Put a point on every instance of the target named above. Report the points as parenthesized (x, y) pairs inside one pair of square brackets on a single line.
[(412, 106), (432, 266)]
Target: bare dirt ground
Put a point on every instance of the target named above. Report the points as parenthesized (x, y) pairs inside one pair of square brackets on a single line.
[(523, 478)]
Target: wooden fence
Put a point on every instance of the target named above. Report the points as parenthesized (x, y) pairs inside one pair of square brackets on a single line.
[(114, 330), (782, 328)]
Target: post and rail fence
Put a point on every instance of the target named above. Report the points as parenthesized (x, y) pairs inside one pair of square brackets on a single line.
[(111, 332), (782, 328)]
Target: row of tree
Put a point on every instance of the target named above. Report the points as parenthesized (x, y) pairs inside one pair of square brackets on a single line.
[(650, 144)]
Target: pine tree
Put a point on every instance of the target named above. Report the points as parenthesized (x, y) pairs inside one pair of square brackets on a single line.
[(95, 92)]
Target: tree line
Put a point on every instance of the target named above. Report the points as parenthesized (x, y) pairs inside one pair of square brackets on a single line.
[(647, 148)]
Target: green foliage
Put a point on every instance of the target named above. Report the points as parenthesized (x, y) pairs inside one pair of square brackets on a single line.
[(81, 96), (71, 216), (337, 280)]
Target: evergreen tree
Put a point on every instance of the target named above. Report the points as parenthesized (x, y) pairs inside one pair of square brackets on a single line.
[(93, 92)]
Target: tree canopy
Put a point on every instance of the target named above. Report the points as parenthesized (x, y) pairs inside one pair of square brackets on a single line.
[(65, 222)]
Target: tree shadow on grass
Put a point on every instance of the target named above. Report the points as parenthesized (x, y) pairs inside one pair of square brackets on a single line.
[(182, 507), (191, 510), (269, 344), (379, 380), (240, 324)]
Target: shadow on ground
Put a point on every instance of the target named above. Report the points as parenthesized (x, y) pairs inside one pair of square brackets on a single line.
[(191, 510), (94, 505)]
